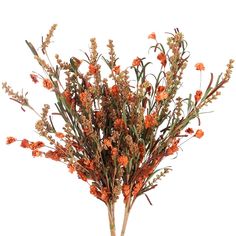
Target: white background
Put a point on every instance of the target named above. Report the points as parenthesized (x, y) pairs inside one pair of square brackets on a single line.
[(40, 197)]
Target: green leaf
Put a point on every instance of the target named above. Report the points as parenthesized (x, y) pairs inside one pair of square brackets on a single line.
[(189, 102), (218, 79), (30, 45)]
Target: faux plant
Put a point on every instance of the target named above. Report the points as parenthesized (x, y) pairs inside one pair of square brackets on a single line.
[(118, 128)]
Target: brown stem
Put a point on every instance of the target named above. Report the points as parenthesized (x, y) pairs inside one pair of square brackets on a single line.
[(126, 216), (111, 215)]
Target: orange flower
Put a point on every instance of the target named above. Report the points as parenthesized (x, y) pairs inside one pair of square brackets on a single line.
[(126, 189), (131, 97), (136, 62), (200, 66), (150, 121), (152, 36), (107, 142), (198, 95), (47, 83), (93, 69), (189, 131), (162, 58), (10, 140), (199, 133), (98, 114), (60, 135), (88, 164), (82, 176), (115, 90), (36, 145), (67, 96), (142, 151), (161, 89), (137, 187), (54, 155), (71, 168), (83, 98), (161, 96), (172, 149), (114, 152), (34, 78), (123, 160), (104, 194), (36, 153), (25, 143), (126, 192), (94, 191), (69, 100), (116, 69), (119, 124)]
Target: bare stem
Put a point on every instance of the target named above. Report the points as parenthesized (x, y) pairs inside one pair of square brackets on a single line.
[(111, 215), (126, 216)]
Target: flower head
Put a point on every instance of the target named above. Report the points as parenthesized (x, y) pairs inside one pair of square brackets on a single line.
[(152, 36), (93, 69), (54, 155), (114, 152), (107, 143), (36, 153), (34, 78), (71, 168), (116, 70), (199, 133), (25, 143), (126, 192), (115, 90), (119, 124), (94, 191), (200, 66), (136, 62), (47, 83), (123, 160), (173, 148), (162, 58), (198, 95), (36, 145), (189, 131), (10, 140), (150, 121), (137, 187), (60, 135), (161, 89), (104, 194), (83, 98), (161, 96)]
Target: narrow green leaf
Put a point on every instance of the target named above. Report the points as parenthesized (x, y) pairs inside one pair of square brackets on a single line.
[(189, 102), (33, 50), (218, 79)]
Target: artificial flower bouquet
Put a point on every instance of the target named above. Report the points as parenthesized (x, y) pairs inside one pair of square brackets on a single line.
[(117, 128)]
